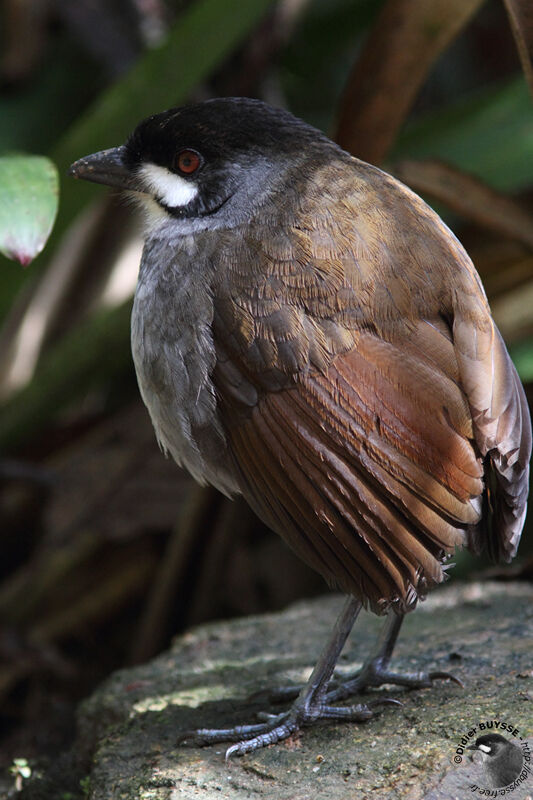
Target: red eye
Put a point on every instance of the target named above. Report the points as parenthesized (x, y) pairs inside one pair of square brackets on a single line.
[(188, 161)]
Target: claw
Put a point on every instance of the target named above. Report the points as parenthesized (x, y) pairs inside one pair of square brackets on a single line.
[(231, 751), (262, 739), (385, 701), (445, 676)]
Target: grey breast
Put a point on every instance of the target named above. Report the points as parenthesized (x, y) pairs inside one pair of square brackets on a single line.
[(174, 354)]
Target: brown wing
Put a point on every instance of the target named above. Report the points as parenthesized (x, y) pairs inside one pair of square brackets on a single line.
[(502, 428), (367, 469), (357, 422)]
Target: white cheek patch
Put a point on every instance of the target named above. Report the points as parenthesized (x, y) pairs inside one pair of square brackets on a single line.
[(485, 748), (172, 190)]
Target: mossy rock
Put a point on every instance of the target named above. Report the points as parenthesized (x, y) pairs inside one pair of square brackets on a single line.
[(482, 632)]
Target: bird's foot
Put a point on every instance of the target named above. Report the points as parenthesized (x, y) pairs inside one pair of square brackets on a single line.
[(375, 674), (372, 675), (277, 727)]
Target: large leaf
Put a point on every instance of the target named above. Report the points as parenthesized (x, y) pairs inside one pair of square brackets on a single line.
[(28, 205), (489, 135)]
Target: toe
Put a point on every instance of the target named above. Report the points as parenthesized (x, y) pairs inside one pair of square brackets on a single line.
[(445, 676)]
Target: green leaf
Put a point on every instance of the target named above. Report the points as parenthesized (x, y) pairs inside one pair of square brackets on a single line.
[(20, 767), (28, 205), (489, 135)]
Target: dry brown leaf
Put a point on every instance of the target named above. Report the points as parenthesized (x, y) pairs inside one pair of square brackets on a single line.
[(521, 17), (468, 196), (406, 40)]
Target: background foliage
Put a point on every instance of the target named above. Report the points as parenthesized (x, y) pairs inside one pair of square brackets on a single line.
[(108, 550)]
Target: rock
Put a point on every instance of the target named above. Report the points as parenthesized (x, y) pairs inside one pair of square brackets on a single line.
[(483, 633)]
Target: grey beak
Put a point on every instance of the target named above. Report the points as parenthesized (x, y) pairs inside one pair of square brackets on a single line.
[(105, 167), (472, 747)]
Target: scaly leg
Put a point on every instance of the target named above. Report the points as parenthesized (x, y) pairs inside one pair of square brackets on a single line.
[(375, 671), (311, 705)]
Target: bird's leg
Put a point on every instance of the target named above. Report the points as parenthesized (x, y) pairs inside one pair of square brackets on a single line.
[(309, 707), (375, 671)]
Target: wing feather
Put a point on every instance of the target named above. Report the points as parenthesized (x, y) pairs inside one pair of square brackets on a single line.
[(344, 465), (502, 429), (374, 416)]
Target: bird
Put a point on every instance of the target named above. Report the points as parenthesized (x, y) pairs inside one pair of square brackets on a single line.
[(502, 759), (309, 334)]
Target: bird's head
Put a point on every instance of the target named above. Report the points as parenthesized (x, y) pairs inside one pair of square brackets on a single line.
[(211, 162), (491, 745)]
